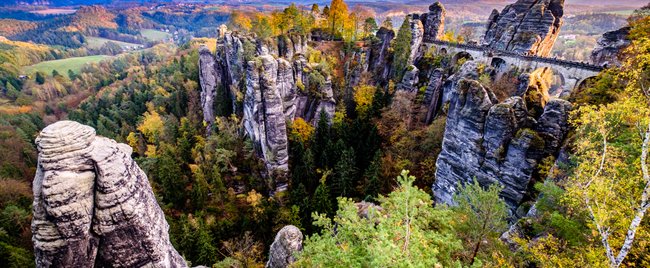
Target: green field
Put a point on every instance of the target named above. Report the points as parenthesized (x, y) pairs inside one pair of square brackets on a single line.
[(62, 66), (97, 42), (155, 35), (622, 12)]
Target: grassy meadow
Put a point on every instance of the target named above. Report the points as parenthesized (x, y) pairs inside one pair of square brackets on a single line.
[(155, 35), (62, 66)]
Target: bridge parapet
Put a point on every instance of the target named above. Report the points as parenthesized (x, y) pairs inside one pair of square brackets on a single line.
[(497, 53)]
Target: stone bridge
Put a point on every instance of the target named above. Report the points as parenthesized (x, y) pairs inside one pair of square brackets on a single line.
[(568, 75)]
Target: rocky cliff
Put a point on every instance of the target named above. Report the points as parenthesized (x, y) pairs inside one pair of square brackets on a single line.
[(266, 83), (93, 205), (264, 118), (221, 74), (417, 34), (210, 79), (528, 27), (496, 142), (607, 51), (433, 94), (380, 58)]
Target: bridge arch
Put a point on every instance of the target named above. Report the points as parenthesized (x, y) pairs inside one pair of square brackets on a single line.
[(461, 55), (500, 65), (585, 82)]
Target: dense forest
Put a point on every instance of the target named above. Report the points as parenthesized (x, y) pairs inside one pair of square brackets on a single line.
[(377, 149)]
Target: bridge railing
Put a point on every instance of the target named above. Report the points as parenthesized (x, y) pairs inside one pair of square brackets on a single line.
[(498, 52)]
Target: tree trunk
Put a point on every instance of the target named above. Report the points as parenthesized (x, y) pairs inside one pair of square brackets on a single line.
[(478, 245)]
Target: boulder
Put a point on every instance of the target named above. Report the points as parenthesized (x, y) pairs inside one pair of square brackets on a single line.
[(93, 205), (528, 27), (287, 242)]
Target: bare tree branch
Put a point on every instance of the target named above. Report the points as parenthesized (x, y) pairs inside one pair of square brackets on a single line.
[(631, 232), (604, 234)]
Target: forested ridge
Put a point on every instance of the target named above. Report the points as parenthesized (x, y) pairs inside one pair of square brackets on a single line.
[(220, 201)]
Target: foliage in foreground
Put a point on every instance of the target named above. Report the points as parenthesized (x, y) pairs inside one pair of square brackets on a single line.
[(404, 231), (595, 217)]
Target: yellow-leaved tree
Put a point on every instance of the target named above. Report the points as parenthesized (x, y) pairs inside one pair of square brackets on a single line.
[(611, 181), (338, 17), (152, 124)]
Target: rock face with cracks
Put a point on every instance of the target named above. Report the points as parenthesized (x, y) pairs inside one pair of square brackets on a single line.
[(264, 118), (606, 52), (265, 83), (209, 77), (434, 22), (528, 27), (380, 57), (496, 142), (93, 205)]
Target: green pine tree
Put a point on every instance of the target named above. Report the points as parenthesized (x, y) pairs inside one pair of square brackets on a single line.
[(321, 202), (345, 174), (171, 178), (407, 232), (40, 78), (402, 49), (12, 92), (483, 216), (322, 139), (71, 75), (372, 177)]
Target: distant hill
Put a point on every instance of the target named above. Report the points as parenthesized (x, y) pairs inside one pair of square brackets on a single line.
[(91, 17), (72, 2)]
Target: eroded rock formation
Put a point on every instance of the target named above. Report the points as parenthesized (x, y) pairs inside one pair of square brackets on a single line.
[(209, 78), (265, 82), (93, 205), (380, 57), (434, 22), (528, 27), (496, 142), (417, 34), (433, 94), (410, 79), (607, 51), (287, 242), (264, 118)]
